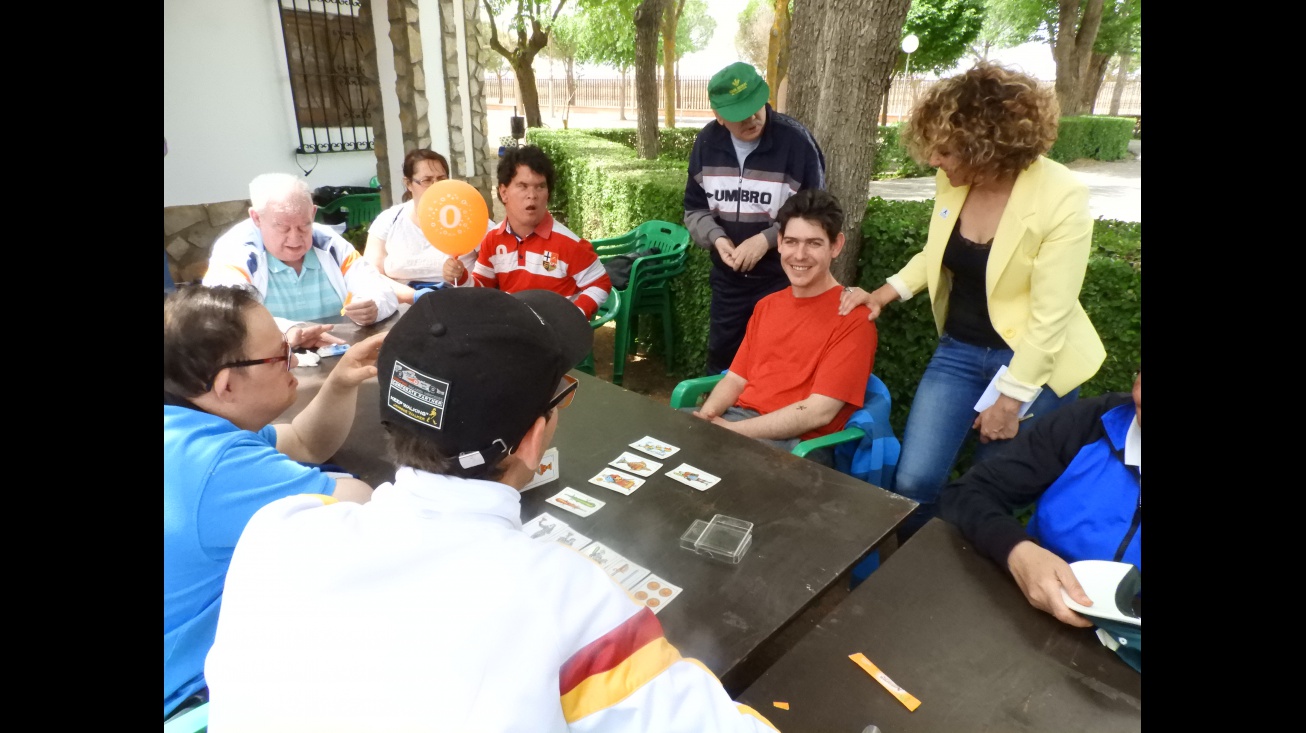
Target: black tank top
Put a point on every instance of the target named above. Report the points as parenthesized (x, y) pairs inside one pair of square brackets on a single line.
[(968, 304)]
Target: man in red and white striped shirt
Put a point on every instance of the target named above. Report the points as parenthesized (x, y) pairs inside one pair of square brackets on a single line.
[(531, 251)]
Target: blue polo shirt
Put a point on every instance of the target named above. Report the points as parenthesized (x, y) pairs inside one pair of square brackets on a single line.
[(306, 295), (215, 476)]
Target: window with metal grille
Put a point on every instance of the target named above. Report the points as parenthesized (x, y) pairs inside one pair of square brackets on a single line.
[(334, 99)]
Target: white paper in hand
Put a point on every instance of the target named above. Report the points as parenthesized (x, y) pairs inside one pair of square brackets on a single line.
[(991, 393)]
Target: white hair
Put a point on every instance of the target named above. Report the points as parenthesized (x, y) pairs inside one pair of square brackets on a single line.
[(282, 190)]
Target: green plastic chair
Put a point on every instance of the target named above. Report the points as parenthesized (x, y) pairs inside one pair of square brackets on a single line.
[(686, 394), (609, 310), (649, 291), (360, 209), (195, 720)]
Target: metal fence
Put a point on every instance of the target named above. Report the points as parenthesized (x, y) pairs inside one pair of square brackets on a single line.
[(691, 94)]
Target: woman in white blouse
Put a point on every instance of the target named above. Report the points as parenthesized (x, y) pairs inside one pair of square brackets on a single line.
[(396, 245)]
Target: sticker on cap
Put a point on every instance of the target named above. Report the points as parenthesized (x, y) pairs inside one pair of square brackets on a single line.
[(417, 396)]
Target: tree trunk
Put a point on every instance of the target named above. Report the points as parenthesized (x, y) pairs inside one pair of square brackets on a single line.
[(671, 11), (1073, 50), (621, 96), (777, 50), (521, 58), (530, 95), (884, 106), (1121, 78), (1093, 84), (646, 76), (835, 92)]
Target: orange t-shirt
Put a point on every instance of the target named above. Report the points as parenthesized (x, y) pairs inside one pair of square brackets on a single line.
[(796, 347)]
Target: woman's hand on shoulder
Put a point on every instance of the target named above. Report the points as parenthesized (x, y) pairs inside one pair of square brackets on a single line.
[(874, 302)]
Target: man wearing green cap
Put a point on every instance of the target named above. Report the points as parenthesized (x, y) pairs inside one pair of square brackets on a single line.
[(743, 167)]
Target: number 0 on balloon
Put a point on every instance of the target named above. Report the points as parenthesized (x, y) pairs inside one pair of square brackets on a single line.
[(453, 217)]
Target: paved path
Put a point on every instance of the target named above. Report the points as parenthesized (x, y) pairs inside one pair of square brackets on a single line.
[(1115, 188)]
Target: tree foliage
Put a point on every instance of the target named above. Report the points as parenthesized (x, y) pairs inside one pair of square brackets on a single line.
[(751, 39), (946, 29)]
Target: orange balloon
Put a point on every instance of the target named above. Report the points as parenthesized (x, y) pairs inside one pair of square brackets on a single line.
[(453, 216)]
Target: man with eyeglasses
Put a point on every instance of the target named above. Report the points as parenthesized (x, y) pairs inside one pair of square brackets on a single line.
[(301, 271), (226, 377), (428, 608)]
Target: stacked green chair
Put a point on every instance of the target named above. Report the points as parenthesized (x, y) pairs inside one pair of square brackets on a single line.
[(610, 309), (360, 209), (648, 291)]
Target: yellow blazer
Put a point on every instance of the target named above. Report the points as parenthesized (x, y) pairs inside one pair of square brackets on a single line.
[(1035, 270)]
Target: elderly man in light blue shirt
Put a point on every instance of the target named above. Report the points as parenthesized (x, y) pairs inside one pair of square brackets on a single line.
[(302, 271)]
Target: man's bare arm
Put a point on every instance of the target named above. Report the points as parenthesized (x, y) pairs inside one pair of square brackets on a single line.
[(789, 421)]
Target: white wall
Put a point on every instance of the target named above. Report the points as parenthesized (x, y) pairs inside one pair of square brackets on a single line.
[(227, 109)]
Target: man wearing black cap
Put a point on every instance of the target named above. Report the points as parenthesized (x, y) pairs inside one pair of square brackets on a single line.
[(743, 167), (430, 609)]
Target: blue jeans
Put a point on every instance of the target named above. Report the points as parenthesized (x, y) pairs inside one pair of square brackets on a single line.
[(939, 424)]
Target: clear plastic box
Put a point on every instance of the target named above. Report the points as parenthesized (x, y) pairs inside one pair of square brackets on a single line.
[(724, 538)]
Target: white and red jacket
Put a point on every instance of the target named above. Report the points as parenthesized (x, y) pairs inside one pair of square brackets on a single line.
[(429, 609), (551, 257)]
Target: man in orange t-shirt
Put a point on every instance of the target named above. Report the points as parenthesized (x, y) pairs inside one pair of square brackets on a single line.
[(802, 368)]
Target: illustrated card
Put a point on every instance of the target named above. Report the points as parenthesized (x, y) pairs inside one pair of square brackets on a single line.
[(544, 527), (654, 447), (622, 483), (602, 554), (576, 502), (547, 470), (690, 476), (571, 538), (655, 592), (627, 573), (638, 465)]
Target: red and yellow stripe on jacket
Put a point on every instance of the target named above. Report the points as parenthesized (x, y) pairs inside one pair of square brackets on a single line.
[(610, 668)]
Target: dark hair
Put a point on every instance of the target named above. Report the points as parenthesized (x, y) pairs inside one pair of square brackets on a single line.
[(415, 451), (531, 157), (203, 328), (816, 206), (410, 165)]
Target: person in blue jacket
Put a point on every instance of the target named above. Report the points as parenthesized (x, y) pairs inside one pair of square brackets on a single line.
[(1083, 464), (743, 167)]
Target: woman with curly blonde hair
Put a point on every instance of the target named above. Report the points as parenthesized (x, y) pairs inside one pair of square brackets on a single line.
[(1004, 261)]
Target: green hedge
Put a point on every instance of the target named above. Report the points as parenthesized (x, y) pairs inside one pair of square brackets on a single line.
[(1092, 136), (674, 143), (892, 159), (894, 231)]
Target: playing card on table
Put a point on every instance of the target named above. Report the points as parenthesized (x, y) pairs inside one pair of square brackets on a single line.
[(547, 470), (638, 465), (576, 502), (627, 573), (655, 592), (690, 476), (571, 538), (654, 447), (544, 527), (622, 483), (602, 554)]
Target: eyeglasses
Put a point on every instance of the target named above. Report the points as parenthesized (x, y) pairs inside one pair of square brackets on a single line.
[(565, 395), (428, 180), (252, 362)]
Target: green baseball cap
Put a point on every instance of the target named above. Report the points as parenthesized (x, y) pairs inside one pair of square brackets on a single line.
[(737, 92)]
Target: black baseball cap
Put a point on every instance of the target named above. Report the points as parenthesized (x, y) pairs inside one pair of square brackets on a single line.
[(470, 369)]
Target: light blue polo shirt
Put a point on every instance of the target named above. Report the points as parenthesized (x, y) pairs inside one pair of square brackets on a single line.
[(301, 296)]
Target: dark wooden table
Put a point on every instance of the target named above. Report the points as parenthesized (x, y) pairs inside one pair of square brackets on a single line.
[(952, 629), (811, 523)]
